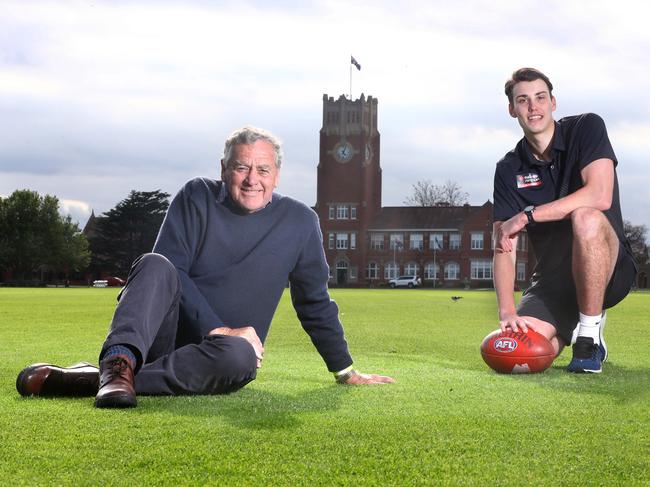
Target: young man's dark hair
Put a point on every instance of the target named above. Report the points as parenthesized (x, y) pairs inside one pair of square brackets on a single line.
[(526, 74)]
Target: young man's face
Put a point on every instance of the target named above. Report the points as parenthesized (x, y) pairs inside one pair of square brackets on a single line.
[(533, 106), (251, 176)]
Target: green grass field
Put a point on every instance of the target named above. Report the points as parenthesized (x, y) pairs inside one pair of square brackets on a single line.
[(447, 421)]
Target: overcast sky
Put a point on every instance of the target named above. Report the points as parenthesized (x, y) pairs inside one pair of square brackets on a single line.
[(101, 97)]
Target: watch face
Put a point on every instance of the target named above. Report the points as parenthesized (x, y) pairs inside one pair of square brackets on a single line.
[(343, 152)]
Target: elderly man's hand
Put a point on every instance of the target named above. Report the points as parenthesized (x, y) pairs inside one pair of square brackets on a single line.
[(249, 334), (357, 378)]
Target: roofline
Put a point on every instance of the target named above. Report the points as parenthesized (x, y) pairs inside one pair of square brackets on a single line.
[(413, 230)]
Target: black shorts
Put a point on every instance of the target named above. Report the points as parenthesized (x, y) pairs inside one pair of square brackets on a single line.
[(554, 299)]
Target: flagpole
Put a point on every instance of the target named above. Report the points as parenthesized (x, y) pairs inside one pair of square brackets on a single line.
[(350, 80)]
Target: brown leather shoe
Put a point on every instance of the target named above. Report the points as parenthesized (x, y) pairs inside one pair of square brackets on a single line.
[(116, 384), (47, 380)]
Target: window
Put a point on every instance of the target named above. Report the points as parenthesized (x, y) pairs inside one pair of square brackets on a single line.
[(431, 271), (353, 213), (332, 212), (377, 241), (353, 273), (341, 240), (341, 272), (396, 241), (353, 240), (477, 241), (521, 270), (391, 270), (452, 271), (417, 241), (411, 269), (481, 269), (436, 241), (454, 241), (522, 241), (372, 271), (331, 240), (342, 212)]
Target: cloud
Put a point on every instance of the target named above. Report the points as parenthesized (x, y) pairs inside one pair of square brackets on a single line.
[(79, 211), (103, 97)]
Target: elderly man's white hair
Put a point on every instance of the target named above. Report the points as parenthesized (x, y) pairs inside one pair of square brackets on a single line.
[(249, 135)]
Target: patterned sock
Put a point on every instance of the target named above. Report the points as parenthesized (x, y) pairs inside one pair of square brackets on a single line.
[(120, 350), (589, 326)]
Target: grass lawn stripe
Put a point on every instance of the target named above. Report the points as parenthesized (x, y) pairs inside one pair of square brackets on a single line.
[(447, 421)]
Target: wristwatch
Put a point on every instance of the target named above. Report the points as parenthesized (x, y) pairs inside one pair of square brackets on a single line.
[(529, 210)]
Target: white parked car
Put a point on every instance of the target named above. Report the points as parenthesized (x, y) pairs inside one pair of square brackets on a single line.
[(405, 281)]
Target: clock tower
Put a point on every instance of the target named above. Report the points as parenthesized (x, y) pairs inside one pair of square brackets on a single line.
[(349, 184)]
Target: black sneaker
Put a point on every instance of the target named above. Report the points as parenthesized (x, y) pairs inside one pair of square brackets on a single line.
[(586, 357)]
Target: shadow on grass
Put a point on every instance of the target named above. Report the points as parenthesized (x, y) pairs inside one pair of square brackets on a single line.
[(623, 384), (251, 408)]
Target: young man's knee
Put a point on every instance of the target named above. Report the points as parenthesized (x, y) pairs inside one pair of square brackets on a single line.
[(588, 223)]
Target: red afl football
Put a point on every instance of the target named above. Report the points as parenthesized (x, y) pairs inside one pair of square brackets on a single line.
[(517, 353)]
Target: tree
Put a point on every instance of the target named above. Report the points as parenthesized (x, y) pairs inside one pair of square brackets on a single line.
[(34, 236), (127, 231), (636, 234), (425, 193)]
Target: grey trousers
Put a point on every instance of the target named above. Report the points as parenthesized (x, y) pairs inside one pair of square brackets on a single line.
[(147, 321)]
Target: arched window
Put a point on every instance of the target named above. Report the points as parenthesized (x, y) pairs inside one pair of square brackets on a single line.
[(372, 271), (411, 269), (452, 271), (431, 270), (342, 272), (391, 270)]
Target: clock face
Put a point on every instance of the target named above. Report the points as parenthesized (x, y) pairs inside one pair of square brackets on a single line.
[(343, 152)]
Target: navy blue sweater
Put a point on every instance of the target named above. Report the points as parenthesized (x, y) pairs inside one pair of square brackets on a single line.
[(234, 266)]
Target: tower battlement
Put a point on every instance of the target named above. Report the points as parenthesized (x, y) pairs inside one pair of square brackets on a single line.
[(349, 117)]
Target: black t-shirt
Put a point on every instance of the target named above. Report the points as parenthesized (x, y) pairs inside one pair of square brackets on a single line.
[(521, 180)]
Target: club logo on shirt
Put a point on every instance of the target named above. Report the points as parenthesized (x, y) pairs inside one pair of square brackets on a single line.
[(529, 180)]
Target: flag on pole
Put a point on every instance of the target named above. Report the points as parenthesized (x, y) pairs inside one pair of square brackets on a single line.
[(354, 61)]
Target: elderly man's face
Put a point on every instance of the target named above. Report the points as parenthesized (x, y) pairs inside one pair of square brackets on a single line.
[(251, 176)]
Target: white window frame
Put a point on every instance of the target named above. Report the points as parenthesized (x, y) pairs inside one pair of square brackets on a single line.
[(396, 241), (391, 270), (411, 269), (481, 269), (331, 240), (436, 238), (353, 241), (342, 241), (377, 241), (428, 268), (416, 241), (372, 270), (455, 241), (449, 275), (353, 212), (332, 212), (521, 271), (477, 240), (342, 212)]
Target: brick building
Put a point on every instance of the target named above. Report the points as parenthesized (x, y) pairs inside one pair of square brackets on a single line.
[(367, 244)]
